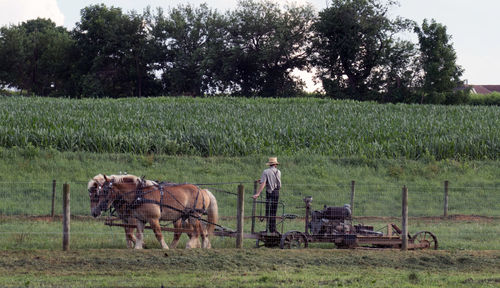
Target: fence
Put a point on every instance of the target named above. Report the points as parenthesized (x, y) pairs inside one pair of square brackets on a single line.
[(367, 199), (378, 200)]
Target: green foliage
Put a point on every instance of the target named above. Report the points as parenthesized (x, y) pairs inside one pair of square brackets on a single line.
[(438, 57), (113, 53), (446, 98), (190, 39), (236, 127), (34, 56), (356, 50), (251, 51), (485, 99), (267, 43)]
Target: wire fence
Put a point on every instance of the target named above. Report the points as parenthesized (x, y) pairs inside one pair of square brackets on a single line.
[(466, 203), (377, 200)]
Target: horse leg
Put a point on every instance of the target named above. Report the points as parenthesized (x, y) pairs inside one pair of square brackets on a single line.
[(204, 237), (177, 235), (199, 228), (194, 240), (129, 233), (129, 236), (140, 234), (193, 236), (155, 225)]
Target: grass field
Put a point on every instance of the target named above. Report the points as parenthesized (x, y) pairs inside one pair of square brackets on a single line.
[(474, 185), (321, 144), (30, 233), (248, 268), (98, 258)]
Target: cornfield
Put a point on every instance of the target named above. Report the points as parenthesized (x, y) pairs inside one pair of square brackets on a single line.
[(239, 126)]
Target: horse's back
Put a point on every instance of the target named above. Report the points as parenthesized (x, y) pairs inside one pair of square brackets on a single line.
[(179, 189)]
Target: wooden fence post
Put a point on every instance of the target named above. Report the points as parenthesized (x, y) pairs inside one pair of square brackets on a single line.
[(445, 213), (66, 217), (240, 216), (404, 244), (52, 212), (353, 190)]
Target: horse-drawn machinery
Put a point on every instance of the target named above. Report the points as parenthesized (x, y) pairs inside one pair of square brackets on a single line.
[(329, 225), (334, 225)]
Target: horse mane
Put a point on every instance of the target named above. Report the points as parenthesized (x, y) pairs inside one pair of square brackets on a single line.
[(133, 179), (99, 178)]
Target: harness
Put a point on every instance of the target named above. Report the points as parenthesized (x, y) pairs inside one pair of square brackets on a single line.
[(140, 199)]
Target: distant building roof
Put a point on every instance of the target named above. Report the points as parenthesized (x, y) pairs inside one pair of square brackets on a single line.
[(484, 89)]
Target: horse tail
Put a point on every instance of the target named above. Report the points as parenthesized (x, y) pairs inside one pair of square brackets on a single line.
[(213, 213)]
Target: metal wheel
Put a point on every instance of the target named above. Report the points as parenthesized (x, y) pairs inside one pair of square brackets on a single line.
[(427, 238), (293, 240), (266, 239)]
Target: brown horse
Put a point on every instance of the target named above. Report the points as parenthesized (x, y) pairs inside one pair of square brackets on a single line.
[(95, 192), (151, 202), (124, 212)]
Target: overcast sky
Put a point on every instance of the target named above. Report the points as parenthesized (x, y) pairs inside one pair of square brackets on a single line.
[(473, 25)]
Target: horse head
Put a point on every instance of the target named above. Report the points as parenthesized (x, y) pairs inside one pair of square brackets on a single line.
[(100, 192), (94, 188)]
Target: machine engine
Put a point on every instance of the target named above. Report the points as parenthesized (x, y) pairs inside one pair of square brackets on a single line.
[(331, 221)]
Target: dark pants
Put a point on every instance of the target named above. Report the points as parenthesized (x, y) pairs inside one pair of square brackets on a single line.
[(271, 208)]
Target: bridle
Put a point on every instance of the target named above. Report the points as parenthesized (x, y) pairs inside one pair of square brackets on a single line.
[(102, 190)]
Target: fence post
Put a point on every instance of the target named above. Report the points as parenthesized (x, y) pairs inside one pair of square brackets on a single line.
[(52, 212), (445, 213), (404, 244), (240, 216), (66, 217), (254, 205), (353, 183)]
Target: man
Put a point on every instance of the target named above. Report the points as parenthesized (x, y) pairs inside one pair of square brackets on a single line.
[(271, 179)]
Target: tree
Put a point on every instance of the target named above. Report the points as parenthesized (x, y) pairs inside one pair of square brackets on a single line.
[(186, 38), (115, 59), (11, 46), (33, 57), (142, 54), (402, 74), (442, 74), (267, 43), (354, 47)]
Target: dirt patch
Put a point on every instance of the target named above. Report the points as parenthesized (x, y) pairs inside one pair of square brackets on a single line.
[(48, 218), (474, 218)]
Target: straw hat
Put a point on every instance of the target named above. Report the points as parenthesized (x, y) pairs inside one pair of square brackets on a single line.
[(272, 161)]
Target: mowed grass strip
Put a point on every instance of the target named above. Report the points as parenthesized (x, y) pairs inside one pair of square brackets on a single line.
[(248, 268), (240, 126)]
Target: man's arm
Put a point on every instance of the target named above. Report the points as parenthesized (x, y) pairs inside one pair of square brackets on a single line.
[(259, 190)]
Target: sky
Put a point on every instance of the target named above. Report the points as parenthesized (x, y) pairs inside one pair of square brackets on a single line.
[(473, 25)]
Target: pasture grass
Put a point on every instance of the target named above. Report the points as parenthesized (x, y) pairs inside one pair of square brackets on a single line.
[(32, 233), (248, 268), (26, 181)]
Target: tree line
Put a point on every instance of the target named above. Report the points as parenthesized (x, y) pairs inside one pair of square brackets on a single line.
[(353, 47)]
